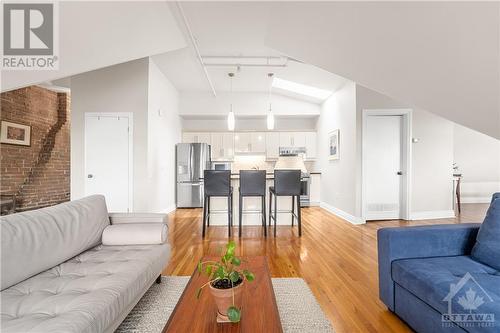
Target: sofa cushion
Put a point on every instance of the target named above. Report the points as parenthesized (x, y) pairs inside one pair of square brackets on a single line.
[(34, 241), (487, 247), (86, 293), (430, 280)]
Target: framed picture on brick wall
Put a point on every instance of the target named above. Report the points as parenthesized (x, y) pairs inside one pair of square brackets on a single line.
[(15, 134)]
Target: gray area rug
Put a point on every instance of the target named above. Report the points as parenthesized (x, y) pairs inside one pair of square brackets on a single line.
[(298, 308)]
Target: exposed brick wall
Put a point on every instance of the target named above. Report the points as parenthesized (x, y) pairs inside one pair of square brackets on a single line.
[(39, 174)]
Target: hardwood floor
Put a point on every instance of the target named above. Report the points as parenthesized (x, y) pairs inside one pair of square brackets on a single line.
[(338, 260)]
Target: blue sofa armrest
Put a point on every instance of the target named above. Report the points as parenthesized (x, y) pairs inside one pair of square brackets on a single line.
[(419, 242)]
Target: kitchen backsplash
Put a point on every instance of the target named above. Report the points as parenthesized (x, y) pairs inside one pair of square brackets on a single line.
[(249, 162)]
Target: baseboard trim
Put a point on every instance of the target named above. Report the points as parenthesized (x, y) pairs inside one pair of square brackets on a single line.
[(476, 199), (169, 209), (430, 215), (340, 213)]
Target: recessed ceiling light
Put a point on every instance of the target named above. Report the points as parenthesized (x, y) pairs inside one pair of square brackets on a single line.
[(301, 89)]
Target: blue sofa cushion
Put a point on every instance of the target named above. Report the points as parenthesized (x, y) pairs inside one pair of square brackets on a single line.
[(487, 247), (430, 280)]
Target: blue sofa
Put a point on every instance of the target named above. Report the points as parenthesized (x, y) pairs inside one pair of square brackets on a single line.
[(443, 278)]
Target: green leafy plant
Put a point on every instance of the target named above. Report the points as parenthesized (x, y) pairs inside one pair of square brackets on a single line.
[(226, 271)]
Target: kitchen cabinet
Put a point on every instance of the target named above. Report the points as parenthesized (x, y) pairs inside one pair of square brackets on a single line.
[(292, 139), (222, 146), (250, 142), (315, 189), (272, 145), (310, 145), (226, 144), (258, 142), (196, 137), (242, 142), (286, 139)]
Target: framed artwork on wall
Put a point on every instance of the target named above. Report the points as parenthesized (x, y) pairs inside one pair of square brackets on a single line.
[(15, 134), (334, 145)]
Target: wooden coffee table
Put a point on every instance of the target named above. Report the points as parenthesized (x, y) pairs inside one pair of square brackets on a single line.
[(259, 312)]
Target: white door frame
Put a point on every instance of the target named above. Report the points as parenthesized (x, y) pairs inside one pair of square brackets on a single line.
[(130, 117), (406, 114)]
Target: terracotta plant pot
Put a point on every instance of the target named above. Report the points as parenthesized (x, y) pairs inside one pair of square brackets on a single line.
[(224, 299)]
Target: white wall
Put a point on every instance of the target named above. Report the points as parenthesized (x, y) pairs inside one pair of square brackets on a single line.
[(432, 156), (164, 132), (244, 104), (119, 88), (137, 87), (431, 163), (339, 188), (478, 158)]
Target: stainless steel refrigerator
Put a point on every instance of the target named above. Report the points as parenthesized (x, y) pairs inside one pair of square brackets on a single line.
[(192, 159)]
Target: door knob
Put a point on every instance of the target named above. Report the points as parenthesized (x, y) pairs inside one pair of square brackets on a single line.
[(399, 173), (90, 176)]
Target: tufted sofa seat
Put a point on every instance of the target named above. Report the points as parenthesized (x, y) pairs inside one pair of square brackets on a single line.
[(90, 292)]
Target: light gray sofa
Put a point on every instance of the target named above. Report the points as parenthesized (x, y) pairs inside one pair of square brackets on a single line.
[(57, 276)]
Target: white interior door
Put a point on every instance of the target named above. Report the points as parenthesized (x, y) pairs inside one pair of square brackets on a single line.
[(108, 156), (383, 167)]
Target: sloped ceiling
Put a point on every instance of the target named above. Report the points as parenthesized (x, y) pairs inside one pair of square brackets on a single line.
[(440, 56), (233, 28), (95, 34)]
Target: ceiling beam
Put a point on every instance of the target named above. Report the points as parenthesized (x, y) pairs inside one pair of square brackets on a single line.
[(196, 49)]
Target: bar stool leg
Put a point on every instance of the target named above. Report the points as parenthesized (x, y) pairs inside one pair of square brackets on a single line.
[(270, 205), (275, 213), (229, 216), (231, 197), (299, 217), (264, 223), (204, 216), (208, 215), (293, 208), (240, 213)]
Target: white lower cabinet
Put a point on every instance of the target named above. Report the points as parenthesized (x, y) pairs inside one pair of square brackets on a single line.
[(315, 190)]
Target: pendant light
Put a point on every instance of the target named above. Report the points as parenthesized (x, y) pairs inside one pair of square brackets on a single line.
[(270, 115), (230, 116)]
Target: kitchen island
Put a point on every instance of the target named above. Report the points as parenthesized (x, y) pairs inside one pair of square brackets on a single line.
[(252, 205)]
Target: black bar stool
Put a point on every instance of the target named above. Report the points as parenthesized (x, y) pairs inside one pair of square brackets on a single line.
[(286, 183), (253, 184), (217, 183)]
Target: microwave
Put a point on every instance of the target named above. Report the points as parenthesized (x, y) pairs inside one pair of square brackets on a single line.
[(221, 165)]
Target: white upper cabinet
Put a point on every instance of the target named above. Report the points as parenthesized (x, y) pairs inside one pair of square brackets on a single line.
[(251, 142), (286, 139), (299, 139), (258, 142), (292, 139), (272, 145), (242, 142), (226, 144), (222, 146), (192, 137), (310, 145)]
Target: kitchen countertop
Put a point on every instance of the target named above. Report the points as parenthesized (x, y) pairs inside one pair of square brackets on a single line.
[(269, 175)]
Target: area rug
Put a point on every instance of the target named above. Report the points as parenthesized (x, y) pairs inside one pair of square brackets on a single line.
[(298, 308)]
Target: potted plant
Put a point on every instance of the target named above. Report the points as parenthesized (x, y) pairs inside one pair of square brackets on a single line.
[(225, 283)]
